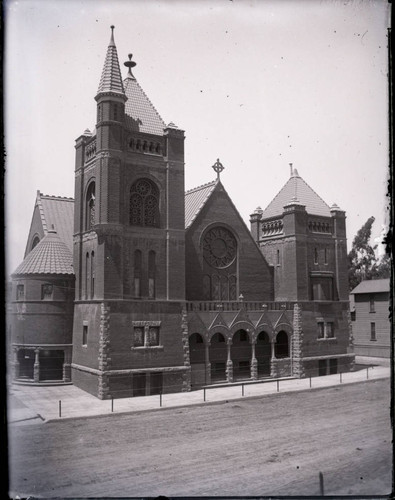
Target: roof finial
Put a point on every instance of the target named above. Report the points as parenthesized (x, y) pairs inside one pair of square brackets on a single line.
[(218, 167), (290, 166), (130, 64), (112, 36)]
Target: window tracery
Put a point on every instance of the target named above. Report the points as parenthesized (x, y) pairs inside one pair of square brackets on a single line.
[(144, 204)]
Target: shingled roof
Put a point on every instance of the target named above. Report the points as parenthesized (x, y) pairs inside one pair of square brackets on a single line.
[(57, 213), (195, 199), (111, 79), (50, 256), (141, 115), (296, 188)]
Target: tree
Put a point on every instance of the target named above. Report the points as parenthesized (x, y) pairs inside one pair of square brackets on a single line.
[(362, 262)]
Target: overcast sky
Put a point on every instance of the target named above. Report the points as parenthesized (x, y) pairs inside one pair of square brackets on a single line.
[(257, 84)]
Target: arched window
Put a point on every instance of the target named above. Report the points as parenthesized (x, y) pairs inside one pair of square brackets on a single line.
[(151, 274), (92, 275), (36, 241), (137, 273), (282, 345), (144, 204), (90, 207)]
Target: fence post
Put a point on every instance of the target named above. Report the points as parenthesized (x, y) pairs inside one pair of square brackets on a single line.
[(242, 389), (112, 405), (310, 382), (340, 377), (204, 394), (160, 399), (60, 409), (321, 484), (278, 385), (367, 372)]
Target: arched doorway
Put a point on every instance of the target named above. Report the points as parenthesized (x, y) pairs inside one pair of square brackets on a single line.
[(281, 347), (263, 354), (197, 360), (241, 355), (218, 357)]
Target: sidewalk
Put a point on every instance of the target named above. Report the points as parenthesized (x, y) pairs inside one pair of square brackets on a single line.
[(37, 404)]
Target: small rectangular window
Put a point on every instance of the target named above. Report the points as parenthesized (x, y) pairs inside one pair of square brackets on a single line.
[(138, 336), (20, 292), (315, 256), (372, 331), (153, 336), (85, 335), (46, 291), (372, 307), (329, 334), (320, 327)]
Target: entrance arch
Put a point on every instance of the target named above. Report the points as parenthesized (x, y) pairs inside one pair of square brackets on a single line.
[(263, 354), (281, 347), (218, 357), (241, 355)]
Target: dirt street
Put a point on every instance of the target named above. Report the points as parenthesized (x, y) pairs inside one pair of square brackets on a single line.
[(275, 445)]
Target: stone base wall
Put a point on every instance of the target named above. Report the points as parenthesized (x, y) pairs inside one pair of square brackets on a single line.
[(280, 368)]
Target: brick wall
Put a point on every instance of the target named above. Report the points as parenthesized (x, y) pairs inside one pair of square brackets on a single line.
[(255, 276)]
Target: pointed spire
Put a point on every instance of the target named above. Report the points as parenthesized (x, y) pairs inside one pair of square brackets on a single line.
[(111, 79)]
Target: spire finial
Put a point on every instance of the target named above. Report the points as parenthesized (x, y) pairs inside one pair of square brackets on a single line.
[(130, 64), (290, 166), (112, 35), (218, 167)]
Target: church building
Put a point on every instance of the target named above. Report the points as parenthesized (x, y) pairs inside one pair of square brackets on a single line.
[(136, 287)]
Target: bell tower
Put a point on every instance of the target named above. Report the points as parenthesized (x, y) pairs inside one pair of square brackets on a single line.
[(129, 235)]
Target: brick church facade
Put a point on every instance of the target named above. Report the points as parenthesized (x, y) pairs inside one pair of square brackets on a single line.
[(136, 287)]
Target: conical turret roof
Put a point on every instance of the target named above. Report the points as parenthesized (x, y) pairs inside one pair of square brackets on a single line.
[(50, 256), (296, 189), (140, 113), (111, 79)]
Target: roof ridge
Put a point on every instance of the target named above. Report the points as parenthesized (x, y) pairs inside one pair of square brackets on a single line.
[(197, 188), (41, 211), (52, 196)]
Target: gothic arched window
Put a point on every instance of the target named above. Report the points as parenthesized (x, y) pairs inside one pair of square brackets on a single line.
[(144, 204), (90, 206)]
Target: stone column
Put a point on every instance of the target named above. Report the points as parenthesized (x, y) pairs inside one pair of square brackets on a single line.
[(273, 360), (229, 363), (36, 366), (207, 362), (254, 362)]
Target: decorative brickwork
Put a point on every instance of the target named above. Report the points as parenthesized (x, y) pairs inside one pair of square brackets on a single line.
[(186, 376), (297, 343), (104, 351)]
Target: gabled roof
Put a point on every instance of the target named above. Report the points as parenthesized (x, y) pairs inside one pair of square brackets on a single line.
[(372, 286), (50, 256), (57, 213), (111, 79), (195, 200), (296, 188), (141, 115)]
